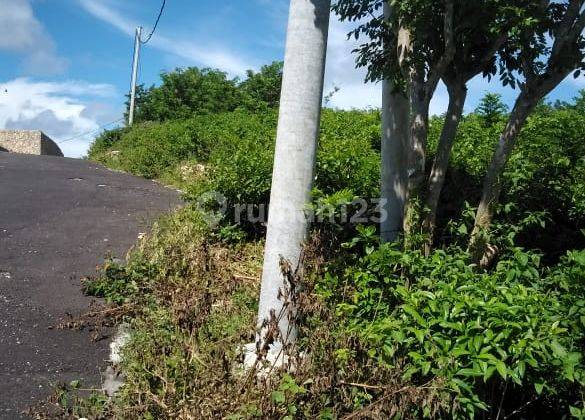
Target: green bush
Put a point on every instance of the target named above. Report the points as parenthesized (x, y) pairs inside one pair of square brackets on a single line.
[(150, 149), (545, 170), (501, 337), (348, 155), (105, 141), (240, 164), (234, 151), (240, 161)]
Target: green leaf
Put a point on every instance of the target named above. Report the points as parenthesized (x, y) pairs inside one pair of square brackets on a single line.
[(278, 397), (557, 349), (576, 412), (488, 373), (462, 229), (468, 372), (412, 312), (539, 387), (502, 370)]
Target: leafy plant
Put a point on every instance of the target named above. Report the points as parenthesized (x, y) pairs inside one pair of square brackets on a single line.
[(499, 339)]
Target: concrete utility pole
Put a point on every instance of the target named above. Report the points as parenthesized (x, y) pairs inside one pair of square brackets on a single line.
[(137, 42), (395, 117), (294, 159), (394, 175)]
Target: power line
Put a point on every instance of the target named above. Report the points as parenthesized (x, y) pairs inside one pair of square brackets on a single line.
[(162, 8), (90, 132)]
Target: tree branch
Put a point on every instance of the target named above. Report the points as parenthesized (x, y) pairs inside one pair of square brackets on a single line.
[(487, 57), (450, 49), (570, 15), (569, 32), (578, 27), (528, 71), (558, 68)]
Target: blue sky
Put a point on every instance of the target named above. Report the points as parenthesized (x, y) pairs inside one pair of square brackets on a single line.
[(66, 63)]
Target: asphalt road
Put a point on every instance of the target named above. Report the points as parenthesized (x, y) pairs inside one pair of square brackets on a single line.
[(58, 218)]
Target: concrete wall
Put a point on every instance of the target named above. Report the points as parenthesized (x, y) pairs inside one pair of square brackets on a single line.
[(28, 142)]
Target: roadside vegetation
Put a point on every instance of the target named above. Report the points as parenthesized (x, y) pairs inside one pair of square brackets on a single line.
[(384, 331)]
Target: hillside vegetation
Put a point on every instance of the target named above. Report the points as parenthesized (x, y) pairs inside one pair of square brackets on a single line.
[(384, 331)]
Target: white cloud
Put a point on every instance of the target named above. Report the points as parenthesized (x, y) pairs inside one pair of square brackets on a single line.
[(210, 55), (21, 32), (62, 110)]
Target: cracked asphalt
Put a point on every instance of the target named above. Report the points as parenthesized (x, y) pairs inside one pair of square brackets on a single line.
[(58, 218)]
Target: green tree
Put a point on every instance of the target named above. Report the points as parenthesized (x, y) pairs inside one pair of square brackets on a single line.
[(536, 61), (580, 101), (262, 89), (491, 108), (423, 42), (476, 50), (185, 93)]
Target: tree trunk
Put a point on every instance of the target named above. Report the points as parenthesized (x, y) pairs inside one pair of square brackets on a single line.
[(416, 155), (294, 161), (395, 113), (532, 92), (457, 95), (525, 104)]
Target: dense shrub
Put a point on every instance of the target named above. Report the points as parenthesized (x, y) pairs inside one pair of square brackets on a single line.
[(348, 155), (240, 162), (545, 174), (105, 141), (545, 171), (237, 149), (498, 339), (150, 149)]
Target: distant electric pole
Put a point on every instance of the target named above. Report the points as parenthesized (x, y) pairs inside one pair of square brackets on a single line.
[(137, 42)]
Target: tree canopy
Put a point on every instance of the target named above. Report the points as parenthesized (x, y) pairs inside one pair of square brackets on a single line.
[(184, 93), (491, 108)]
